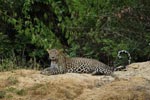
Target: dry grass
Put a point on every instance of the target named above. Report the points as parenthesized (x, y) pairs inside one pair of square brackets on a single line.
[(132, 89), (30, 85)]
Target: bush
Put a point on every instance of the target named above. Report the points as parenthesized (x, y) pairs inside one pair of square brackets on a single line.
[(95, 29)]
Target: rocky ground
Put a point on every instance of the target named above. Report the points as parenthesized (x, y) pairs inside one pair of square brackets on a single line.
[(132, 84)]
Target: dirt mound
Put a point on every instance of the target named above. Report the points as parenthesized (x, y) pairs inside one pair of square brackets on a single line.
[(132, 84), (136, 69), (132, 89)]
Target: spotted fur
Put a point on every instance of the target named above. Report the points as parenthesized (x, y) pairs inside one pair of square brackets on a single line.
[(126, 52)]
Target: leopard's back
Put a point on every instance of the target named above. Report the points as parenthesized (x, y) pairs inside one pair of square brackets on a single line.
[(85, 65)]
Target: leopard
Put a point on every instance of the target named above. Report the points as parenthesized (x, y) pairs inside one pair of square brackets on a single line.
[(61, 63)]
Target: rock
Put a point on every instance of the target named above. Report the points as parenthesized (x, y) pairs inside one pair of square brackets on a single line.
[(132, 84), (132, 89), (135, 69)]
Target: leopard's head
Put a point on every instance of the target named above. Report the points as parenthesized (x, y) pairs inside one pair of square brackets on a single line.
[(53, 54)]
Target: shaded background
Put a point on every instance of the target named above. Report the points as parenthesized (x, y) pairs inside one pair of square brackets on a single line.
[(87, 28)]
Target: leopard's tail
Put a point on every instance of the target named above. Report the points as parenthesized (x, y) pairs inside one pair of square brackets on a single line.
[(119, 56), (126, 52)]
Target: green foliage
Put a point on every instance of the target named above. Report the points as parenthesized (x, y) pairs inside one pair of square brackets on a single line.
[(95, 29), (21, 92), (2, 94), (12, 80), (11, 89)]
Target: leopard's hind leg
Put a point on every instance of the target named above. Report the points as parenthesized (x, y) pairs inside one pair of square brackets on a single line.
[(102, 71)]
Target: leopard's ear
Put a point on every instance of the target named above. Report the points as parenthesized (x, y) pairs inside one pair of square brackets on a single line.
[(60, 50), (47, 50)]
